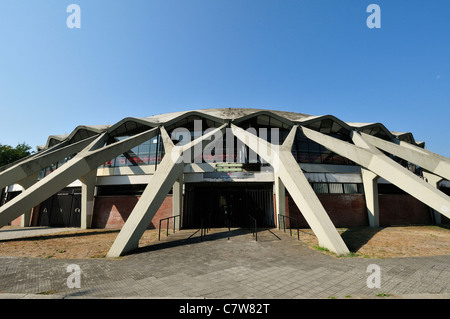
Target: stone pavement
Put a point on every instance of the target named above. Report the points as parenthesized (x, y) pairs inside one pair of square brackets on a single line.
[(13, 232), (226, 265)]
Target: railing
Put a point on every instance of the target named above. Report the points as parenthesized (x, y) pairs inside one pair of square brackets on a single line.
[(205, 226), (284, 224), (253, 226), (167, 230)]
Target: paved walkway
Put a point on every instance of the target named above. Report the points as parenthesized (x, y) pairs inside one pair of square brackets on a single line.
[(13, 232), (226, 265)]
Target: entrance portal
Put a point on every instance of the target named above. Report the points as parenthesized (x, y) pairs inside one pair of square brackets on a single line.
[(62, 209), (224, 204)]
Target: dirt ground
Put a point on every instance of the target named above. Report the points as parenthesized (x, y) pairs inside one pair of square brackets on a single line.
[(387, 242), (365, 242)]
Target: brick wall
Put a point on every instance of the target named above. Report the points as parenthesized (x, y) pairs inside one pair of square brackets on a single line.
[(349, 210), (402, 210), (112, 211), (345, 210)]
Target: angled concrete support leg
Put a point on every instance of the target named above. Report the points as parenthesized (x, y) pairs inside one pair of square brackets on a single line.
[(288, 170), (84, 162), (168, 171), (25, 168), (147, 206), (366, 155), (25, 220), (88, 182), (177, 201), (430, 161), (370, 182)]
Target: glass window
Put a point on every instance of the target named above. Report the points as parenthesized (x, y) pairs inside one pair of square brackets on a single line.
[(320, 188), (350, 188), (336, 188)]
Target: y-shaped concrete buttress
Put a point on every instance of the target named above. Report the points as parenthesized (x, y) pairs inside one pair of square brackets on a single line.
[(82, 164), (25, 168), (290, 173), (433, 162), (168, 171), (366, 155)]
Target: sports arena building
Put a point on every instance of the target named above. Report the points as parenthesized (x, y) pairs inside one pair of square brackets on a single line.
[(228, 166)]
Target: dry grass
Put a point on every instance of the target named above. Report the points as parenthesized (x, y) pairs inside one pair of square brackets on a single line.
[(387, 242), (91, 243), (362, 241)]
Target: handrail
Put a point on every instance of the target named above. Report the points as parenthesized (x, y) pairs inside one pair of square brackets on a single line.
[(167, 230), (205, 226), (254, 229), (290, 228)]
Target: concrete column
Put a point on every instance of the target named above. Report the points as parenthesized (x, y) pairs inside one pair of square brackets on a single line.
[(280, 197), (88, 182), (177, 201), (370, 181), (27, 182), (434, 181)]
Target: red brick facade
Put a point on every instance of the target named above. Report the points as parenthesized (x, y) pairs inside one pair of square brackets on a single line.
[(113, 211), (345, 210), (348, 210)]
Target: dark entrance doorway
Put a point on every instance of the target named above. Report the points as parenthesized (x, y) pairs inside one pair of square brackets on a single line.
[(228, 203), (62, 209)]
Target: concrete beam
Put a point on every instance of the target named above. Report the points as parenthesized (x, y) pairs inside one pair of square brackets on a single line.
[(372, 159), (23, 169), (288, 170), (169, 170), (430, 161)]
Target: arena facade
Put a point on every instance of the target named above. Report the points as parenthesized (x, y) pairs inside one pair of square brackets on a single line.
[(228, 166)]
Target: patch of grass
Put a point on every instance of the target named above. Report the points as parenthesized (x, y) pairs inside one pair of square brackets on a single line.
[(383, 295), (320, 248), (48, 292), (98, 256)]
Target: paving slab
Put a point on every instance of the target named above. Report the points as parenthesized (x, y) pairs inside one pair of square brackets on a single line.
[(226, 264), (23, 232)]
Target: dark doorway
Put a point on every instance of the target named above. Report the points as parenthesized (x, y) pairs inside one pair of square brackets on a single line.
[(62, 209), (224, 204)]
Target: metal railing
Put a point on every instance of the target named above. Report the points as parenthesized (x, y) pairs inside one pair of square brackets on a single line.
[(253, 226), (205, 226), (290, 226), (167, 225)]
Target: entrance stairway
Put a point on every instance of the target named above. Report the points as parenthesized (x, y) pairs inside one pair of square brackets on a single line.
[(195, 235)]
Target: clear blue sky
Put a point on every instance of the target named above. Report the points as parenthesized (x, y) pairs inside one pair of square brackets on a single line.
[(145, 57)]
